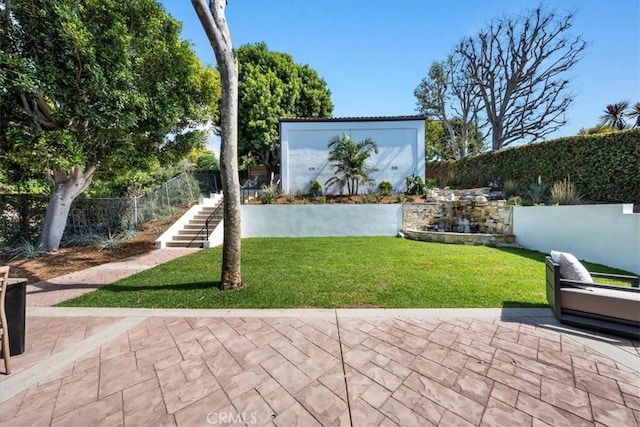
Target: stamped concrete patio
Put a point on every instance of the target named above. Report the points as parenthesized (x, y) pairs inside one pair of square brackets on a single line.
[(137, 367)]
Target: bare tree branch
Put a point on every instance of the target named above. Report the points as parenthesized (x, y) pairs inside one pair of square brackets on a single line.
[(517, 65)]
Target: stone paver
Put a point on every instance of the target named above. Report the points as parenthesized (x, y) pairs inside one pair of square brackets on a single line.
[(329, 368)]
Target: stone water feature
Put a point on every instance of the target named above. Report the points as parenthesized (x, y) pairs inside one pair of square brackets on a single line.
[(459, 216)]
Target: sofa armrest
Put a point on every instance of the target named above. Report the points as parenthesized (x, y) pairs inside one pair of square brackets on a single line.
[(634, 280), (583, 285)]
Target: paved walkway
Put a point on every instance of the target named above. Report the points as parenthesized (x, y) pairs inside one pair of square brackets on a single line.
[(53, 291), (138, 367)]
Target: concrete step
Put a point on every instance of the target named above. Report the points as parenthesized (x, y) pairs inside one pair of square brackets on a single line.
[(193, 226), (202, 222), (186, 237), (192, 232), (194, 244), (202, 217)]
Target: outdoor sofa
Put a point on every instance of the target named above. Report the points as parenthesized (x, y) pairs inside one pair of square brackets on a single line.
[(578, 301)]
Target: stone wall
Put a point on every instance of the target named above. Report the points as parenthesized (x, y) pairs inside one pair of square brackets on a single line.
[(461, 238), (487, 217)]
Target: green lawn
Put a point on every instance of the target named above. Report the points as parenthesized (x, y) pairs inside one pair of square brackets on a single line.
[(340, 272)]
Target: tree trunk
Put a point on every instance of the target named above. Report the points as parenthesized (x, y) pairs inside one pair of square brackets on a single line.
[(215, 25), (496, 136), (67, 188)]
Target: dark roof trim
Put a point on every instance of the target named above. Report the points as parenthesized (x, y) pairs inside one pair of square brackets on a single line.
[(354, 119)]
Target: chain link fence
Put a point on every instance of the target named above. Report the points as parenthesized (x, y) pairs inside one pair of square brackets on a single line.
[(22, 215)]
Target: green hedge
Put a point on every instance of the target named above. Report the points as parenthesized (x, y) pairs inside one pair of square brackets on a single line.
[(605, 168)]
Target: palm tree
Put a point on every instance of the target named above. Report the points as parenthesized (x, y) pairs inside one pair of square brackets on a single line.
[(634, 114), (349, 159), (614, 115)]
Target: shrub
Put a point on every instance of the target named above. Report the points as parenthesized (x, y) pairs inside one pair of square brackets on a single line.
[(510, 188), (368, 198), (565, 192), (385, 187), (321, 200), (415, 185), (269, 194), (515, 201), (315, 188), (605, 166)]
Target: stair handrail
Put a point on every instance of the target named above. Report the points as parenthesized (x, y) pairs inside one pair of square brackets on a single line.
[(215, 211), (206, 224)]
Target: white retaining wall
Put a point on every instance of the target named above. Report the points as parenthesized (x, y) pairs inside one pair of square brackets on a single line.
[(605, 234), (321, 220)]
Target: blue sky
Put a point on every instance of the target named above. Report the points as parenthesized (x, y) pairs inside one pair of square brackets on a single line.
[(373, 53)]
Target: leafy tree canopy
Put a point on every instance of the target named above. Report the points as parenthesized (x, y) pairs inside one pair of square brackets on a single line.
[(105, 83), (103, 86), (271, 86), (438, 144)]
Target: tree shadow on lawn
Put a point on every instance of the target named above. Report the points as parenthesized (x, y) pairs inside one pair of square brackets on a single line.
[(526, 253), (174, 287)]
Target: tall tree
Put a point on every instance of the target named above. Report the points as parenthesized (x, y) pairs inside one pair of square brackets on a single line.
[(214, 22), (95, 85), (446, 89), (349, 160), (438, 144), (271, 86), (518, 65), (614, 115)]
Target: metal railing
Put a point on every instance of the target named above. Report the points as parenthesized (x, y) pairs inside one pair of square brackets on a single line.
[(215, 211), (205, 228)]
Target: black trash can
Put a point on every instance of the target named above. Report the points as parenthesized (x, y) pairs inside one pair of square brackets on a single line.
[(15, 304)]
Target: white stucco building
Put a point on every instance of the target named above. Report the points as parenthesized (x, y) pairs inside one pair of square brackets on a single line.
[(304, 151)]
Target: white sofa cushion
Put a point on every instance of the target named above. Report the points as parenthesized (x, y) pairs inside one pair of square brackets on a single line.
[(605, 302), (570, 267)]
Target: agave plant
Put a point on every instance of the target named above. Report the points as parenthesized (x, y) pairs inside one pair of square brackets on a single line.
[(537, 190), (24, 249), (614, 115), (110, 241)]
